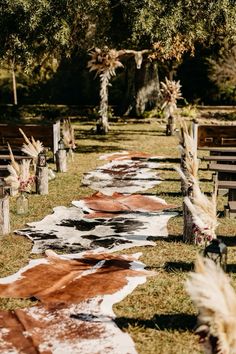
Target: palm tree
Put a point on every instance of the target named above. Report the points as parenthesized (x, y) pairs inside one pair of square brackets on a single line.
[(104, 61)]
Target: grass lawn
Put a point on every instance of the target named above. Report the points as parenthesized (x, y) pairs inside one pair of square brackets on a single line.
[(159, 314)]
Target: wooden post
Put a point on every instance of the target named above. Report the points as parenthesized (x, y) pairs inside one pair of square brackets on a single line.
[(61, 162), (56, 136), (170, 127), (42, 180), (188, 236), (4, 216), (195, 133)]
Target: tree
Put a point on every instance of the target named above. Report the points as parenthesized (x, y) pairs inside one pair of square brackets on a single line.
[(171, 28), (32, 33), (223, 72)]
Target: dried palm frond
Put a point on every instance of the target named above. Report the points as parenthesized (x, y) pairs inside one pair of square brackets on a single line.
[(204, 212), (171, 91), (68, 134), (14, 164), (103, 60), (210, 290), (190, 161), (31, 148), (20, 178)]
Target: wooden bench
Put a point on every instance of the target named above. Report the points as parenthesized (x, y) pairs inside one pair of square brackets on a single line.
[(48, 134), (215, 137), (220, 141)]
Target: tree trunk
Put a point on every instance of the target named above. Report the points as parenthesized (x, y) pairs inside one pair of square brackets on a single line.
[(14, 83), (142, 88)]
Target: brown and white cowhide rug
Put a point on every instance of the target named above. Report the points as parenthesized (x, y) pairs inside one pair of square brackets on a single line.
[(101, 223), (118, 203), (77, 295), (123, 176)]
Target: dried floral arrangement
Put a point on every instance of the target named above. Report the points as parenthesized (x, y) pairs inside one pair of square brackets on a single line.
[(211, 292), (203, 209), (68, 136), (20, 178), (31, 148), (171, 92)]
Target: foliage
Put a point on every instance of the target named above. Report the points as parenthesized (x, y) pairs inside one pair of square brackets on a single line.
[(222, 71), (33, 30), (190, 111)]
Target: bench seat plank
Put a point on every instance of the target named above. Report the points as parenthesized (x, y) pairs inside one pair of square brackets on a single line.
[(222, 167), (232, 206), (226, 158), (226, 184)]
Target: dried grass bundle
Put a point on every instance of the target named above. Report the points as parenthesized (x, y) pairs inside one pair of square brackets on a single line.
[(68, 135), (171, 91), (210, 290), (204, 213), (104, 60), (31, 148), (203, 210), (20, 179)]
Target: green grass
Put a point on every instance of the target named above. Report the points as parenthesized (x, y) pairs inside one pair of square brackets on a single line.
[(159, 314)]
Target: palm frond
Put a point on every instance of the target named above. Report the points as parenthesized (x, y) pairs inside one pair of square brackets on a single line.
[(31, 148), (211, 292)]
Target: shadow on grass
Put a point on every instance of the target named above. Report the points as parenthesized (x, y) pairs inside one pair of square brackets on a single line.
[(179, 322), (171, 194), (170, 238), (230, 241), (178, 267), (96, 148)]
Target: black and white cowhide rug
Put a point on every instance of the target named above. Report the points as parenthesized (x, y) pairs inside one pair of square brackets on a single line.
[(107, 220), (69, 230)]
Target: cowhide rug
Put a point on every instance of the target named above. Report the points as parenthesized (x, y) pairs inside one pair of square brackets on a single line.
[(75, 315), (118, 203), (124, 176), (101, 223)]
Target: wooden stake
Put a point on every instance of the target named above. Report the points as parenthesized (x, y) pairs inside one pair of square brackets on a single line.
[(42, 180), (61, 162), (188, 236), (4, 216)]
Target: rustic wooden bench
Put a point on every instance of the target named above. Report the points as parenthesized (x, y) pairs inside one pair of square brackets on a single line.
[(48, 134), (220, 141), (215, 137)]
